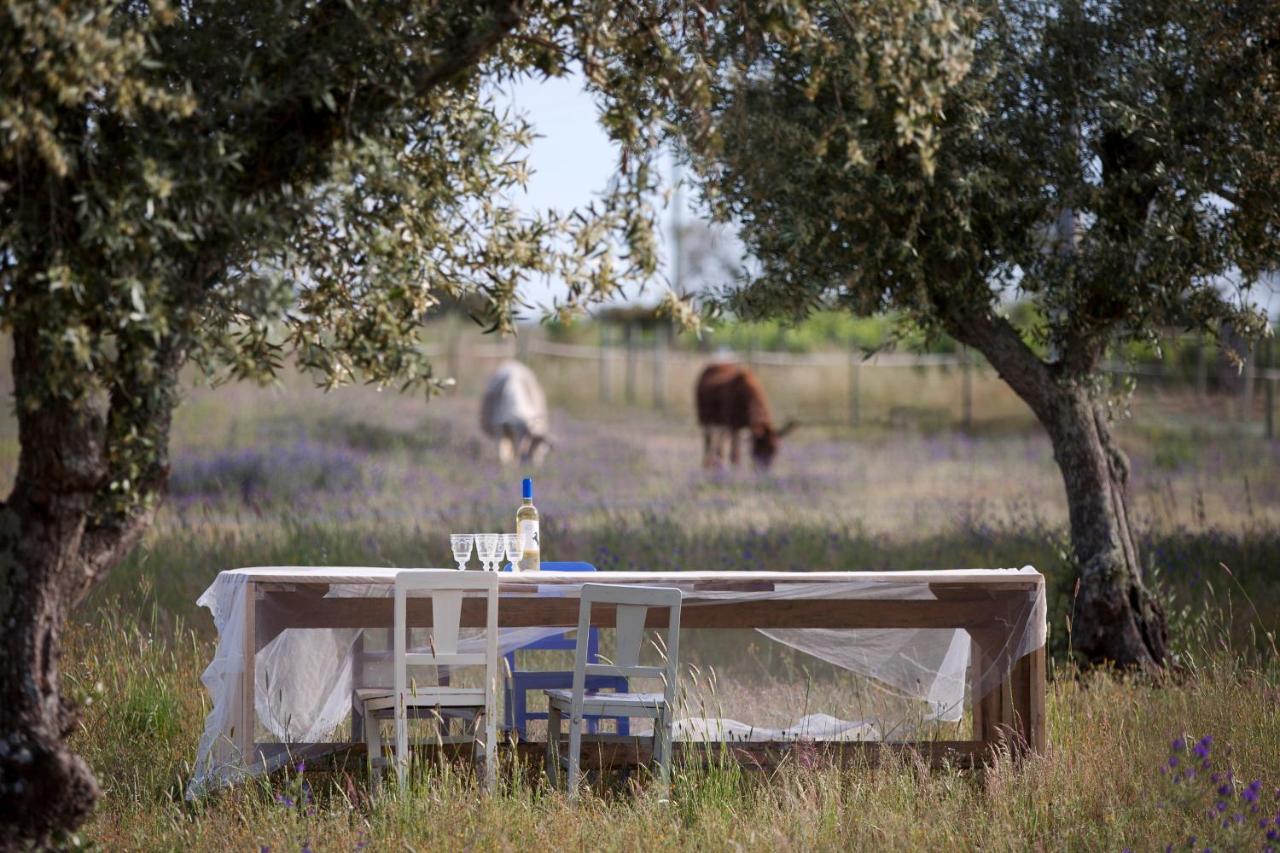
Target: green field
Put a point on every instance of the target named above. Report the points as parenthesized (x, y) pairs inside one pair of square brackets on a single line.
[(291, 476)]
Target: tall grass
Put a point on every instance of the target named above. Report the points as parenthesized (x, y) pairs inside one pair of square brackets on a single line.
[(1099, 787), (286, 477)]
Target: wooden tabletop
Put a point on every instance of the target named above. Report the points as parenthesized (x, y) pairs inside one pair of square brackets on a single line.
[(1023, 578)]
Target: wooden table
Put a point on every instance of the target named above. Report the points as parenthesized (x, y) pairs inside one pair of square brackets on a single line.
[(991, 605)]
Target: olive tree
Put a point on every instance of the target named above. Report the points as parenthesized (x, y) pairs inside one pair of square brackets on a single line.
[(225, 184), (1115, 164)]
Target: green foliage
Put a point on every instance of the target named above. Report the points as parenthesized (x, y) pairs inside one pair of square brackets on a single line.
[(823, 329), (250, 179), (1114, 166), (234, 184)]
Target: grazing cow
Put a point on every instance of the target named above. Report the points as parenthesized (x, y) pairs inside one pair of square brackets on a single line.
[(730, 399), (514, 411)]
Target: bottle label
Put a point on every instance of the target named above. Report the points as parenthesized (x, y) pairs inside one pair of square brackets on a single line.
[(529, 536)]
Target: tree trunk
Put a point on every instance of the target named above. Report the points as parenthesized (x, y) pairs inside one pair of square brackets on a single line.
[(44, 787), (61, 529), (1116, 618)]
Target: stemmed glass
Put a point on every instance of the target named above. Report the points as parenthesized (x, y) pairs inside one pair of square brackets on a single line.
[(487, 546), (461, 544), (513, 543)]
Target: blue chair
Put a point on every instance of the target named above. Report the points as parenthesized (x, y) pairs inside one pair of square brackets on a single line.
[(517, 714)]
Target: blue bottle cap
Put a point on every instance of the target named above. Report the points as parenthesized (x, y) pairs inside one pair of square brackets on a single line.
[(528, 489)]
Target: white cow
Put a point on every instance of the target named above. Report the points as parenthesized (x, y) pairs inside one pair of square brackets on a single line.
[(514, 411)]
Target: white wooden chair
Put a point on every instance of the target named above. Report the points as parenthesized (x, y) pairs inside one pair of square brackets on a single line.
[(447, 588), (632, 606)]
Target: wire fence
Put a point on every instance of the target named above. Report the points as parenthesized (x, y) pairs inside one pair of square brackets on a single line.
[(849, 388)]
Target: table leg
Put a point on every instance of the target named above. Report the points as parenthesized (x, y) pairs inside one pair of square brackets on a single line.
[(1012, 713), (248, 683), (1028, 681), (357, 681)]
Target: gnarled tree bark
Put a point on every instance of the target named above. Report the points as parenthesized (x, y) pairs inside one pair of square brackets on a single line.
[(1117, 619), (43, 785), (57, 540)]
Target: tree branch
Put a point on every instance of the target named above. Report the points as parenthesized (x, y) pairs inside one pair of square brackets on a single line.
[(312, 128), (1018, 365), (136, 457)]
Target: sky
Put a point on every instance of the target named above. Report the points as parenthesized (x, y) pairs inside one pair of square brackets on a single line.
[(572, 161)]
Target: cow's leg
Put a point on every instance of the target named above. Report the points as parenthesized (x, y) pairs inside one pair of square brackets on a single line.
[(506, 447), (735, 446), (708, 459), (718, 438), (722, 444), (538, 451)]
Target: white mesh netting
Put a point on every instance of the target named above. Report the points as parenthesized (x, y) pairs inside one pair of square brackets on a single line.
[(915, 676)]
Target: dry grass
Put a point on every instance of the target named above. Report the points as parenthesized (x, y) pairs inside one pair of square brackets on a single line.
[(289, 476), (1098, 788)]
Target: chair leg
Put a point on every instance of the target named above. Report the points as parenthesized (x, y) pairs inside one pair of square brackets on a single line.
[(490, 751), (373, 740), (402, 743), (662, 749), (575, 754), (553, 745), (521, 714), (357, 720)]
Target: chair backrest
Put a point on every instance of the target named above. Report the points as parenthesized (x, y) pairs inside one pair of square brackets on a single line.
[(447, 588), (632, 605), (558, 642)]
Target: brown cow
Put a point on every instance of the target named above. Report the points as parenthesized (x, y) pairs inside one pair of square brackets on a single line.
[(730, 399)]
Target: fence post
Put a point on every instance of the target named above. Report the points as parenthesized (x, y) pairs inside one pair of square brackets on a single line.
[(455, 355), (855, 390), (966, 404), (659, 368), (522, 345), (1202, 370), (606, 393), (628, 338), (1269, 383), (1246, 393)]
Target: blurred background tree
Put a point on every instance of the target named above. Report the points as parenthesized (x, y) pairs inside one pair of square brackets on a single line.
[(1113, 166)]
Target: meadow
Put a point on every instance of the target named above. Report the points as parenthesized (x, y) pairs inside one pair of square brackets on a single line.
[(287, 475)]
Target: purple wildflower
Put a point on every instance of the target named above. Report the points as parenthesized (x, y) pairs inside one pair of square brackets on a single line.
[(1202, 748), (1179, 744)]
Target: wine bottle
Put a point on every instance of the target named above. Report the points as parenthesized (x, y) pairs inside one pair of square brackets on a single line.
[(527, 527)]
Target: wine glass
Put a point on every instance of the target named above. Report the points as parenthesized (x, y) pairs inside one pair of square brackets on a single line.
[(487, 546), (461, 544), (513, 543)]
